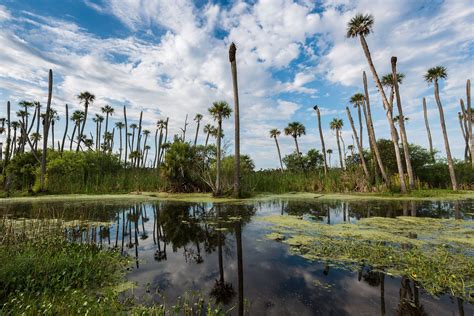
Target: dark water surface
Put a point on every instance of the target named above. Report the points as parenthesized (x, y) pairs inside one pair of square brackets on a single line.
[(220, 250)]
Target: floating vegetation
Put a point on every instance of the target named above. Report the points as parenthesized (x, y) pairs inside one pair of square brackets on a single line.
[(438, 253)]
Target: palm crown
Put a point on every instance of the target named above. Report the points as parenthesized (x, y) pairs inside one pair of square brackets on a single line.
[(274, 133), (198, 117), (107, 110), (295, 129), (336, 124), (387, 80), (220, 110), (360, 25), (86, 97), (98, 118), (435, 73), (357, 99)]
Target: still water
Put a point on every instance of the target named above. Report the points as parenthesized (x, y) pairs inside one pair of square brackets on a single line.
[(221, 251)]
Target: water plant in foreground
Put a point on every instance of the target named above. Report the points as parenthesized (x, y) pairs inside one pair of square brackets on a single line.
[(437, 253)]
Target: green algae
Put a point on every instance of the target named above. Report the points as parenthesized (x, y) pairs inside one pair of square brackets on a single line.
[(438, 253)]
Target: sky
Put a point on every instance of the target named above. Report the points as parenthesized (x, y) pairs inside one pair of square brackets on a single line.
[(169, 58)]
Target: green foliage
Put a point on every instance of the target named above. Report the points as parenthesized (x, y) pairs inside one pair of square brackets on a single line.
[(312, 161), (437, 175), (183, 167), (21, 171)]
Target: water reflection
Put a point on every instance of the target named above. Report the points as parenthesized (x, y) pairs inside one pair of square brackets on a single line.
[(219, 250)]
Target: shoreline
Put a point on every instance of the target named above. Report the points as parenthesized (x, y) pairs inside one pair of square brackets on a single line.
[(425, 195)]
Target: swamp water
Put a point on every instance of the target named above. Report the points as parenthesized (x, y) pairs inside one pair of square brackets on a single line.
[(223, 251)]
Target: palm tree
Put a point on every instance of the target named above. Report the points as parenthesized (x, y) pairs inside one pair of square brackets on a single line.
[(351, 149), (465, 133), (46, 131), (387, 81), (469, 122), (87, 99), (336, 125), (357, 100), (295, 130), (133, 126), (77, 117), (139, 136), (208, 128), (65, 128), (54, 117), (220, 110), (160, 125), (274, 133), (323, 147), (360, 26), (427, 125), (98, 119), (233, 64), (432, 76), (89, 143), (329, 151), (401, 122), (198, 119), (145, 133), (120, 126), (361, 150), (107, 110), (371, 130)]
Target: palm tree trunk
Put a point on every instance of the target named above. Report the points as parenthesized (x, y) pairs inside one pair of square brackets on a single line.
[(197, 132), (359, 144), (72, 137), (389, 114), (207, 139), (126, 135), (100, 133), (218, 163), (339, 149), (323, 146), (452, 174), (279, 154), (233, 65), (46, 130), (156, 148), (65, 129), (97, 135), (81, 133), (469, 121), (52, 133), (139, 137), (120, 149), (359, 112), (298, 153), (406, 149), (240, 267), (144, 145), (8, 148), (158, 162), (38, 111), (465, 131), (427, 125)]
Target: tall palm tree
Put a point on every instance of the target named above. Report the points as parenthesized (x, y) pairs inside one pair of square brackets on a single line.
[(160, 125), (120, 126), (465, 135), (401, 122), (295, 130), (329, 151), (198, 119), (387, 81), (208, 128), (220, 110), (370, 129), (323, 146), (359, 145), (46, 131), (139, 136), (469, 122), (336, 125), (53, 118), (98, 119), (233, 64), (108, 111), (77, 117), (360, 26), (65, 128), (133, 126), (357, 100), (274, 133), (427, 125), (87, 99), (432, 76), (145, 133)]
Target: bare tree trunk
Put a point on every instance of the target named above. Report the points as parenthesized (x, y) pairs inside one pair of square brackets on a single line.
[(465, 125), (120, 149), (279, 154), (359, 146), (406, 149), (166, 138), (469, 115), (360, 125), (218, 163), (126, 135), (233, 65), (389, 114), (46, 130), (427, 124), (339, 149), (445, 135), (81, 133), (197, 133), (156, 148), (139, 138), (65, 129), (323, 146)]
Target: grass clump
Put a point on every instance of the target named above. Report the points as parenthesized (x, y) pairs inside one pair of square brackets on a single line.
[(438, 253)]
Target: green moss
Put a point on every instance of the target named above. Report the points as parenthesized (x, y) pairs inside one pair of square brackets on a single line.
[(436, 252)]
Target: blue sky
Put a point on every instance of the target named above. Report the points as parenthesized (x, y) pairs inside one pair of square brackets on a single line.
[(169, 58)]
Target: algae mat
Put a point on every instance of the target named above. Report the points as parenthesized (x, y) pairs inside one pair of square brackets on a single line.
[(437, 253)]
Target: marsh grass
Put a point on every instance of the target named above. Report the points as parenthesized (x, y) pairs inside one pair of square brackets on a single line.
[(42, 273)]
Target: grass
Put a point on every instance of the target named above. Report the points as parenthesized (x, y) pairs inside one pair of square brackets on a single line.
[(43, 274), (438, 253)]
